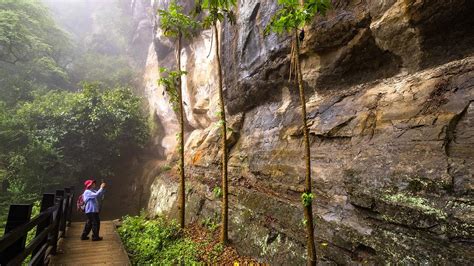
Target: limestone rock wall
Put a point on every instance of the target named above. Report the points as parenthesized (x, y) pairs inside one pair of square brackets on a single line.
[(390, 88)]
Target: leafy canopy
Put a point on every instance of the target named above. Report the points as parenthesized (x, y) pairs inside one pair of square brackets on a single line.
[(217, 11), (27, 31), (32, 50), (293, 15), (174, 22), (63, 135)]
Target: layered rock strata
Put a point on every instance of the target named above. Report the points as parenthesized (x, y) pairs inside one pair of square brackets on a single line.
[(390, 88)]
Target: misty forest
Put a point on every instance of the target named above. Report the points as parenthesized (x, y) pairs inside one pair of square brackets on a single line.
[(236, 132)]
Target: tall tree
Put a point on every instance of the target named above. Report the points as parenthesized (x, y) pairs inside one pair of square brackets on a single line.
[(176, 24), (217, 11), (291, 18)]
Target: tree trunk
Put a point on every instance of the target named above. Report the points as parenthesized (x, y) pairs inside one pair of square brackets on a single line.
[(225, 204), (308, 210), (182, 185)]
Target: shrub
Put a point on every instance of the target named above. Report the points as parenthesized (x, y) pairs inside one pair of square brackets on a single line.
[(157, 241)]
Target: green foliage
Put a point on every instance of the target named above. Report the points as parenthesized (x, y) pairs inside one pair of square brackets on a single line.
[(217, 191), (4, 206), (217, 10), (169, 81), (157, 241), (219, 123), (174, 23), (60, 136), (307, 198), (211, 223), (166, 168), (89, 130), (292, 15), (178, 136), (27, 31), (215, 252), (33, 50), (24, 159)]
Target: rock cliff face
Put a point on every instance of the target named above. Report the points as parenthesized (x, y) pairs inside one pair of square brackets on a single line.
[(390, 89)]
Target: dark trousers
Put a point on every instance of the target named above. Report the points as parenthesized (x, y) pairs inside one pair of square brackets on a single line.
[(93, 222)]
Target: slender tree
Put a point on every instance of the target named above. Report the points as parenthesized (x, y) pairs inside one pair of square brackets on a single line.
[(291, 18), (217, 11), (176, 24)]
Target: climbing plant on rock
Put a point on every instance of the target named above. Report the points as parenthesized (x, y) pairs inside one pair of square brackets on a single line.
[(175, 24), (217, 11), (291, 18)]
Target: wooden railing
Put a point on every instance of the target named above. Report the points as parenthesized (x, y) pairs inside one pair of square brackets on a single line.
[(50, 223)]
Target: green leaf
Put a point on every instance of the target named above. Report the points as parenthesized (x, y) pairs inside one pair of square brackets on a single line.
[(169, 81), (307, 198), (175, 23), (292, 15), (217, 10)]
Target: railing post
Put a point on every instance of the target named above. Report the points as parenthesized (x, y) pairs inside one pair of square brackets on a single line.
[(66, 203), (57, 221), (71, 206), (18, 214), (46, 202)]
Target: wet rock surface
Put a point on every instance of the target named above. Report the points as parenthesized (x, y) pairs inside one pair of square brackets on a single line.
[(390, 89)]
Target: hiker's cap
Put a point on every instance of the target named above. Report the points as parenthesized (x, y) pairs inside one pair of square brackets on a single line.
[(89, 183)]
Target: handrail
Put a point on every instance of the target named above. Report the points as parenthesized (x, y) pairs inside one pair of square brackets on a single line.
[(29, 249), (50, 225), (16, 234)]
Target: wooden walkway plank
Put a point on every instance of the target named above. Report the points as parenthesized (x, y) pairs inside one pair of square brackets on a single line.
[(74, 251)]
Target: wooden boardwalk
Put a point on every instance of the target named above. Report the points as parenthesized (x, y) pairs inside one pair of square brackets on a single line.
[(74, 251)]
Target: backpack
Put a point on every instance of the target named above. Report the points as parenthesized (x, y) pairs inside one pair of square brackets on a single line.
[(81, 204)]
